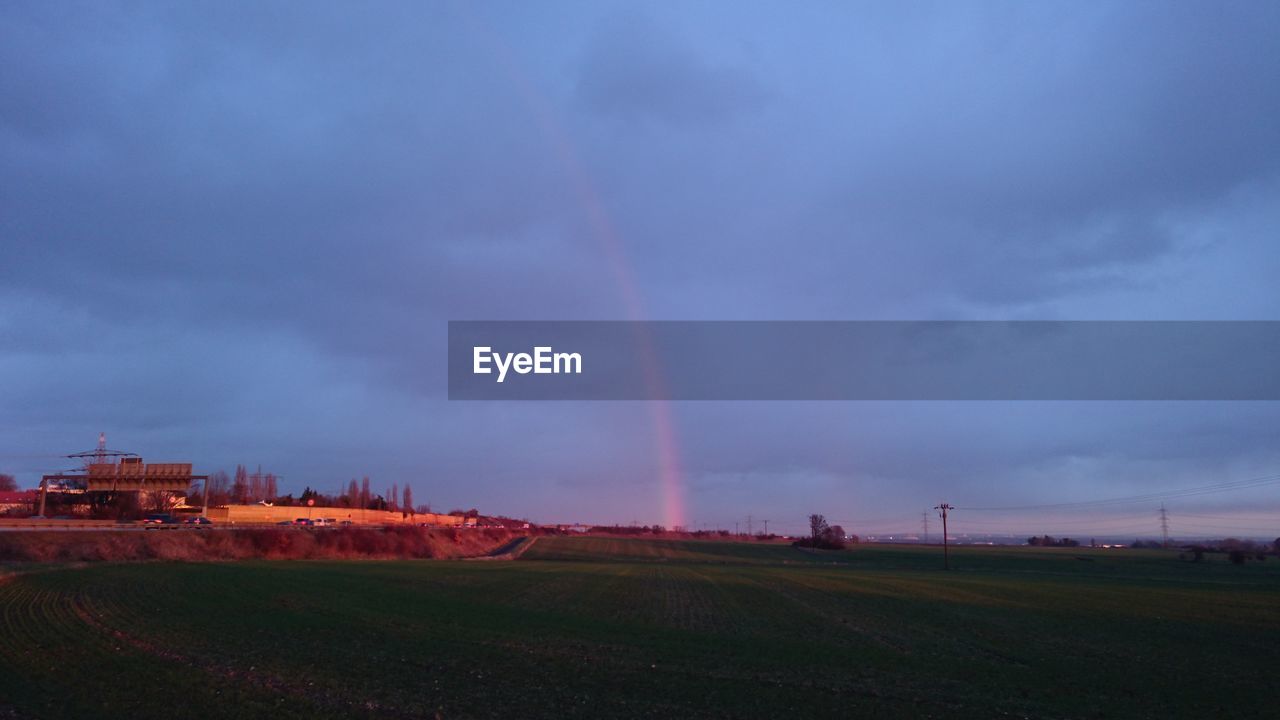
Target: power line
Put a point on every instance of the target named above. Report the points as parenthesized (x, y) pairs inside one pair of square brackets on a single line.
[(1189, 492), (1090, 521), (1219, 527), (1246, 516)]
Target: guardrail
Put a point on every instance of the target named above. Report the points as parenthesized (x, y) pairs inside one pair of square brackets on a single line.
[(51, 523)]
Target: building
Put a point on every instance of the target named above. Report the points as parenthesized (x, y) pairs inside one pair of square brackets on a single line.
[(18, 502), (107, 472)]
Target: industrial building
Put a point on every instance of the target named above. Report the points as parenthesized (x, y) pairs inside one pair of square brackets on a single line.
[(109, 472)]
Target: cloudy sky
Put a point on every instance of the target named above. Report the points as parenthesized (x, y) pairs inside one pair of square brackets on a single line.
[(234, 233)]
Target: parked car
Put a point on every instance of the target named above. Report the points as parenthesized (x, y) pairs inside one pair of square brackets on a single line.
[(159, 520), (285, 522), (197, 521), (302, 521)]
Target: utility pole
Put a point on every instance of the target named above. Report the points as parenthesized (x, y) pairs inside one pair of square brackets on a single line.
[(946, 553), (749, 519), (766, 527), (735, 527), (1164, 525), (924, 520)]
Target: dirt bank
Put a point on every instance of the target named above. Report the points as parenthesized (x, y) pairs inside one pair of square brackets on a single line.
[(249, 543)]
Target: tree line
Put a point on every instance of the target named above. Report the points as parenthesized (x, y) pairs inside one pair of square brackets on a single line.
[(247, 488)]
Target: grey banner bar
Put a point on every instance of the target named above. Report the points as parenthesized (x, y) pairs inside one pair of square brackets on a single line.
[(864, 360)]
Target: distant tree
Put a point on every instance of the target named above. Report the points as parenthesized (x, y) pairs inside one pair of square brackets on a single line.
[(1049, 541), (821, 535), (393, 497), (157, 501), (1236, 544), (817, 527), (7, 483), (365, 495), (353, 494), (128, 506), (407, 500), (219, 488), (270, 487), (1237, 557), (1275, 546), (240, 486)]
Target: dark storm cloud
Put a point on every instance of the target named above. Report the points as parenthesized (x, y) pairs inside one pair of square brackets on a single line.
[(635, 70), (234, 232)]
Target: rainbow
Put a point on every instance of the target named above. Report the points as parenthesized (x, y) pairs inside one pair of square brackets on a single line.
[(665, 436)]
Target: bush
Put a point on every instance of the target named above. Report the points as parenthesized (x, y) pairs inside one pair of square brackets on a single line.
[(829, 540)]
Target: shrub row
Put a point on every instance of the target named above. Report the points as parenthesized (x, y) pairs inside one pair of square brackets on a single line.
[(248, 543)]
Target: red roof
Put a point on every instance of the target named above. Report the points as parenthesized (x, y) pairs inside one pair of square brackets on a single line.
[(20, 496)]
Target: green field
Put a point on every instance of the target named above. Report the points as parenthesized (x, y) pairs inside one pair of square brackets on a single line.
[(598, 627)]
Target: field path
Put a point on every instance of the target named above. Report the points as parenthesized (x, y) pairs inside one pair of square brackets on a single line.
[(508, 551)]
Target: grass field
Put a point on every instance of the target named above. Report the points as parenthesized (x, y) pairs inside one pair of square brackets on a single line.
[(639, 628)]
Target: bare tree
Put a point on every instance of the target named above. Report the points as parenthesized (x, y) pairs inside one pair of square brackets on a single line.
[(240, 487), (407, 502), (365, 495), (7, 483), (157, 501), (817, 528), (218, 486)]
